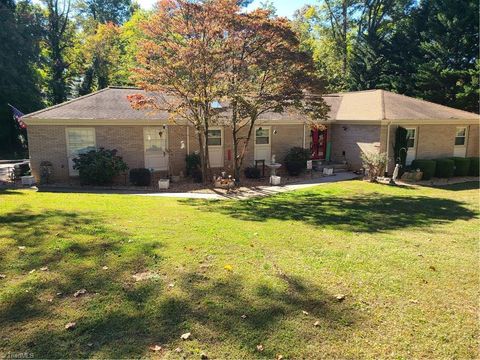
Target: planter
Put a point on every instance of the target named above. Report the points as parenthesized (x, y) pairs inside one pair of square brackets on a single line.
[(224, 183), (275, 180), (28, 180), (163, 184), (327, 171)]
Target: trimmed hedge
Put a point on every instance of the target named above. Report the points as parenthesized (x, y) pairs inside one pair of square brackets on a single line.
[(445, 168), (474, 166), (462, 166), (426, 166), (140, 177)]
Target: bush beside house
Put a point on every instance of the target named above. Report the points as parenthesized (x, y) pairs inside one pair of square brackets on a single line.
[(427, 167), (140, 177), (474, 166), (99, 167), (296, 160), (445, 168), (462, 166)]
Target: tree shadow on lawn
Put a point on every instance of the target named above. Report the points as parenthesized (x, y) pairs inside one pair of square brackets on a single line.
[(366, 213), (211, 309), (74, 247)]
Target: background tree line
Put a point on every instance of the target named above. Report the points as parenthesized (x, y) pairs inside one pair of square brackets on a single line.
[(61, 49)]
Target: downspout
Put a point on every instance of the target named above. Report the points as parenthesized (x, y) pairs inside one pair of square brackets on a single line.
[(304, 135), (388, 144)]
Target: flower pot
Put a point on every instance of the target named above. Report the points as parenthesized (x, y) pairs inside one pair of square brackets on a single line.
[(163, 184), (275, 180)]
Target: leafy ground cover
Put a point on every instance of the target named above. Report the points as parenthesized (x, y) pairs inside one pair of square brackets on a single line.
[(346, 270)]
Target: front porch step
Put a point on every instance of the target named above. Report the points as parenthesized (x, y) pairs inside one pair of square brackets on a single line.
[(337, 167)]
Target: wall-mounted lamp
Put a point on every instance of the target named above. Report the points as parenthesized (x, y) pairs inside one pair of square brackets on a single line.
[(260, 128), (275, 131), (344, 128)]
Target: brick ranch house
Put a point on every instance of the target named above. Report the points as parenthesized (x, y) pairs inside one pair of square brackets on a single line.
[(358, 121)]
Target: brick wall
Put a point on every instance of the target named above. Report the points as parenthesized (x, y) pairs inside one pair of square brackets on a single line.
[(352, 139), (48, 143), (473, 143)]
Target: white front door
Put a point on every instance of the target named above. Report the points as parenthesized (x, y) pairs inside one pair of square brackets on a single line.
[(215, 147), (411, 145), (263, 146), (155, 148), (460, 147), (79, 141)]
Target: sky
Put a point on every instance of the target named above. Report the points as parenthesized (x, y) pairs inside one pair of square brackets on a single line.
[(284, 7)]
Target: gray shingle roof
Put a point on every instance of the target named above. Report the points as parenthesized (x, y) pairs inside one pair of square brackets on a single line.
[(112, 104)]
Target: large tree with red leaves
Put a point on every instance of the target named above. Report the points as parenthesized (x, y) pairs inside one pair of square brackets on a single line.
[(199, 53)]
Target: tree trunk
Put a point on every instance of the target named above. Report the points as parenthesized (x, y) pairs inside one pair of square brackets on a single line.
[(344, 35)]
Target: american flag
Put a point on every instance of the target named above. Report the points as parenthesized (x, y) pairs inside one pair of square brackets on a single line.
[(17, 115)]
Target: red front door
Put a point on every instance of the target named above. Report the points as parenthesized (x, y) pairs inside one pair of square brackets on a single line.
[(318, 145)]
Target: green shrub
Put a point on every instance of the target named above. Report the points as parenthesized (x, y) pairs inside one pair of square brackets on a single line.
[(99, 167), (474, 166), (251, 172), (193, 163), (296, 160), (445, 168), (140, 177), (374, 163), (197, 175), (462, 166), (425, 166)]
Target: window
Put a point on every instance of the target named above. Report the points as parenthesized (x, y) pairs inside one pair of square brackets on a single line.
[(215, 137), (155, 140), (411, 133), (80, 140), (460, 134), (262, 136)]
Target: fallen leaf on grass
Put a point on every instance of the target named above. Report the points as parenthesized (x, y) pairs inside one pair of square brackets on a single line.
[(155, 348), (80, 292), (105, 268), (340, 297), (21, 247), (228, 267), (279, 357), (90, 344), (413, 301), (244, 316), (171, 285), (203, 356), (45, 268), (260, 347), (178, 350), (71, 326), (3, 276), (186, 336), (304, 312), (32, 271), (316, 323), (433, 268)]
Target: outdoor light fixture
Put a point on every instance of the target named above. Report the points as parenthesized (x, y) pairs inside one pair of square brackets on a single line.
[(260, 128), (344, 128), (164, 127), (275, 131), (182, 144)]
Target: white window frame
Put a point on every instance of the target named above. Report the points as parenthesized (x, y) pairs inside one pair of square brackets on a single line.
[(464, 136), (415, 132), (71, 171), (216, 137), (266, 128), (155, 129)]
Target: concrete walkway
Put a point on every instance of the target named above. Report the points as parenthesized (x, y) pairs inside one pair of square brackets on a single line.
[(258, 190)]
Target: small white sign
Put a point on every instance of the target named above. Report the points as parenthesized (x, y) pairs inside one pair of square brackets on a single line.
[(309, 164)]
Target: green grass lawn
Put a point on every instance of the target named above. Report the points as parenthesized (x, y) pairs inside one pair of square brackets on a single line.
[(237, 274)]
